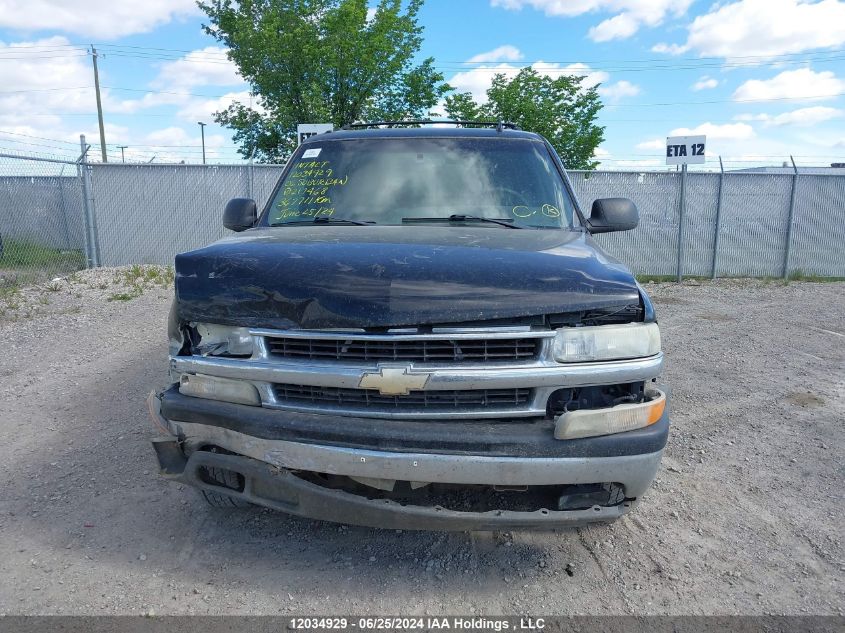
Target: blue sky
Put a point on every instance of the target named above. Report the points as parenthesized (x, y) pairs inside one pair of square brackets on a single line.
[(763, 79)]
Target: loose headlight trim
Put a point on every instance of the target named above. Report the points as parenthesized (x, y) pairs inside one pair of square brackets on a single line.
[(606, 342)]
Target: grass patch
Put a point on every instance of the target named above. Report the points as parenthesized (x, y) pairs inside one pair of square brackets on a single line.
[(138, 275), (9, 289), (17, 254), (139, 278), (800, 275), (126, 296)]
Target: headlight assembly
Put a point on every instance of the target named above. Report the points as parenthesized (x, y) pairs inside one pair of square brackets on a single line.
[(224, 340), (606, 342)]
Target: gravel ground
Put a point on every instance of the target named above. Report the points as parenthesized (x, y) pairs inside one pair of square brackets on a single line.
[(745, 516)]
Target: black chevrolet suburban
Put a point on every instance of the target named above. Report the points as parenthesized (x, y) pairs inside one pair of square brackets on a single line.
[(419, 332)]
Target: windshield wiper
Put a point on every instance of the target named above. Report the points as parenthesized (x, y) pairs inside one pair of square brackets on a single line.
[(324, 219), (459, 217)]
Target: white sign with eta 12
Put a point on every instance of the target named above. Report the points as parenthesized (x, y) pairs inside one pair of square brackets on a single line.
[(685, 150)]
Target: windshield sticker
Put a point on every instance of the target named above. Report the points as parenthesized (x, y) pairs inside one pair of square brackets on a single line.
[(312, 153)]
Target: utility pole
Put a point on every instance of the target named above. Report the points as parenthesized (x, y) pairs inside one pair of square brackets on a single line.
[(99, 104), (122, 157), (202, 132)]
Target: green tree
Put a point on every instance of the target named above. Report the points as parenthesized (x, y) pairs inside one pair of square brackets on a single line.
[(561, 109), (314, 61)]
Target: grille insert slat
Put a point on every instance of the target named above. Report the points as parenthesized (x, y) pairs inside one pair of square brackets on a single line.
[(434, 350), (430, 400)]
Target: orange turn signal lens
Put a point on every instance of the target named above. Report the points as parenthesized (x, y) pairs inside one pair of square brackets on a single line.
[(618, 419)]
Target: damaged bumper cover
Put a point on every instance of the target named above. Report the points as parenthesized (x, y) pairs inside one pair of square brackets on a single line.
[(271, 446)]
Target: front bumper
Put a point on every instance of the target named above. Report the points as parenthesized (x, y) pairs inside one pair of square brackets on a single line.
[(270, 446)]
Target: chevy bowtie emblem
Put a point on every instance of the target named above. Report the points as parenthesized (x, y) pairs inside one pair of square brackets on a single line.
[(394, 381)]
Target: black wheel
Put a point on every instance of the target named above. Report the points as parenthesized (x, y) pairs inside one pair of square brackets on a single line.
[(225, 479)]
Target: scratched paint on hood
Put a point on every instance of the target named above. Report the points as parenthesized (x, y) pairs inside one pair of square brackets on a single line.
[(392, 276)]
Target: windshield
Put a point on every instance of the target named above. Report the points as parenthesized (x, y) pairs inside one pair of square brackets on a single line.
[(388, 181)]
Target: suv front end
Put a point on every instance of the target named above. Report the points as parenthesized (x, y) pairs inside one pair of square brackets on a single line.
[(446, 377)]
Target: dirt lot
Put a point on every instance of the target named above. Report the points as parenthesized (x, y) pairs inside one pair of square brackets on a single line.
[(745, 518)]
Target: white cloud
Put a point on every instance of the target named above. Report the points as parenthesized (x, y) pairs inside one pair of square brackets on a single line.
[(478, 80), (764, 28), (618, 27), (106, 19), (207, 66), (729, 131), (802, 117), (178, 79), (629, 16), (619, 90), (645, 164), (653, 144), (174, 144), (792, 84), (807, 116), (752, 117), (671, 49), (705, 83), (38, 108), (204, 109), (506, 53), (591, 77), (39, 85)]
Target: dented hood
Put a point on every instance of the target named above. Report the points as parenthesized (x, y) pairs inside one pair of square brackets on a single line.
[(388, 276)]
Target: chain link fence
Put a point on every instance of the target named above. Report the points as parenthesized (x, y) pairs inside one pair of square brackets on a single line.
[(42, 220), (59, 216)]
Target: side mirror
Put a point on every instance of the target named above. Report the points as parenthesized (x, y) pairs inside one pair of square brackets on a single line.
[(240, 214), (613, 214)]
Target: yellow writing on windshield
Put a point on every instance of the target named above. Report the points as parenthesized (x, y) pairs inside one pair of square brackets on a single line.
[(307, 192)]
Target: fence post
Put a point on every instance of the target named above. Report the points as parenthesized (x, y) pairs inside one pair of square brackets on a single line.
[(96, 231), (788, 245), (86, 211), (250, 174), (683, 203), (63, 206), (718, 219)]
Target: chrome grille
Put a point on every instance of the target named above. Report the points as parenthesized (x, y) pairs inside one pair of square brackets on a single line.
[(431, 400), (425, 350)]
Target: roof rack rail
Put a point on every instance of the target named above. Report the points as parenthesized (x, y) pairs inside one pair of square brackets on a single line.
[(499, 125)]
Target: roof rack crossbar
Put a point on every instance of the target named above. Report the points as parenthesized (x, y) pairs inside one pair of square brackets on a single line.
[(499, 125)]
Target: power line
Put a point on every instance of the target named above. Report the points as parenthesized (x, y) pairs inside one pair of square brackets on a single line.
[(673, 103), (610, 105), (43, 138), (3, 57), (583, 61), (9, 92), (624, 69), (686, 63), (165, 92), (484, 67)]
